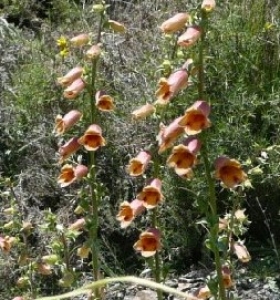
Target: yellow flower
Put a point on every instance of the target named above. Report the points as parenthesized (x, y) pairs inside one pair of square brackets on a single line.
[(148, 243), (62, 42), (64, 52), (83, 252), (151, 194), (138, 165), (168, 88), (63, 124), (92, 138), (175, 23), (229, 171), (196, 118)]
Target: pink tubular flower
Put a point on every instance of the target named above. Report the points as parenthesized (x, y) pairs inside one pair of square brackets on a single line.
[(74, 89), (175, 23), (104, 102), (143, 111), (128, 211), (71, 76), (208, 5), (168, 88), (138, 165), (93, 52), (229, 171), (169, 134), (62, 124), (151, 194), (18, 298), (78, 224), (68, 149), (196, 118), (148, 243), (241, 251), (92, 138), (69, 174), (6, 243), (80, 40), (191, 35), (183, 157)]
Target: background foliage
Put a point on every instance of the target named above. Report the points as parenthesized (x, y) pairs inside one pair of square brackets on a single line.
[(243, 71)]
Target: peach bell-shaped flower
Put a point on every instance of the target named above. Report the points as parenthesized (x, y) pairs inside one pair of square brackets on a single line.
[(226, 274), (241, 251), (104, 102), (68, 149), (183, 157), (148, 243), (69, 174), (74, 89), (229, 171), (62, 124), (143, 111), (93, 52), (203, 293), (71, 76), (151, 194), (138, 164), (92, 138), (44, 269), (128, 212), (168, 88), (195, 118), (117, 26), (80, 40), (208, 5), (169, 134), (175, 23), (189, 37), (78, 224), (6, 243)]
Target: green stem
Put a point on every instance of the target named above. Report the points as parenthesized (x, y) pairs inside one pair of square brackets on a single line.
[(212, 216)]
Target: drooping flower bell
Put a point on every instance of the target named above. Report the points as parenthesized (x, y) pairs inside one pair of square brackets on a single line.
[(151, 194), (169, 134), (226, 275), (229, 171), (189, 37), (78, 224), (71, 76), (104, 102), (203, 293), (183, 157), (241, 251), (74, 89), (138, 164), (62, 124), (117, 26), (128, 212), (169, 88), (69, 174), (6, 243), (92, 138), (93, 52), (143, 111), (68, 149), (195, 118), (80, 40), (148, 243), (175, 23), (208, 5)]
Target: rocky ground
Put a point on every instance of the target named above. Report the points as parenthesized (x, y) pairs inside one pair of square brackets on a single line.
[(245, 288)]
